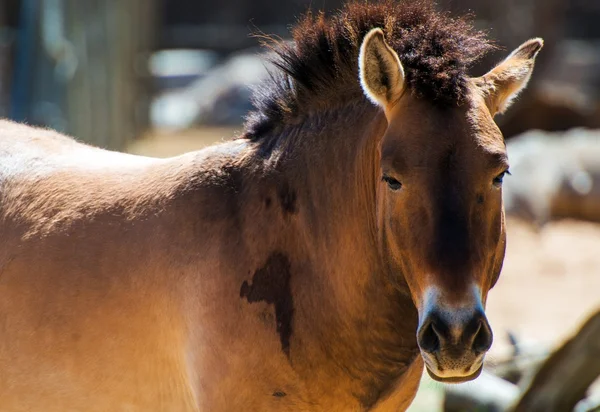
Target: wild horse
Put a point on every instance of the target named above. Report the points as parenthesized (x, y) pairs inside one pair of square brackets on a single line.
[(347, 238)]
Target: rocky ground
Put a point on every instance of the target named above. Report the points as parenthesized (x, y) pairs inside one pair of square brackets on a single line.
[(550, 282)]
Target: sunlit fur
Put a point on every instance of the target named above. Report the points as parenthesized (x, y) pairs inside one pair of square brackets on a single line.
[(275, 272), (375, 53), (504, 83), (444, 231), (319, 68)]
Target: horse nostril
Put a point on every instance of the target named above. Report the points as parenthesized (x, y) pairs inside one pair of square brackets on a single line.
[(429, 340), (483, 337), (471, 332)]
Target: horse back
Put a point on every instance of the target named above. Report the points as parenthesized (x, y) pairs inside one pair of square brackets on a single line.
[(89, 311)]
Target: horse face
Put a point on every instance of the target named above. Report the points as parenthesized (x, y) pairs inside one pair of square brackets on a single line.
[(440, 215), (443, 229)]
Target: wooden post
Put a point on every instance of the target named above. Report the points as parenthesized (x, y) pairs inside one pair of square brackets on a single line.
[(109, 93), (565, 377)]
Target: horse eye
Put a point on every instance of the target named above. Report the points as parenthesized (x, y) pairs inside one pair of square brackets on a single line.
[(392, 183), (498, 179)]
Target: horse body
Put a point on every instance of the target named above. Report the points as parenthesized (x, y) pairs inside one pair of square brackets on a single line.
[(147, 283), (315, 263), (82, 302)]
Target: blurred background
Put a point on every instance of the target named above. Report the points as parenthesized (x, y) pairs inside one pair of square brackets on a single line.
[(161, 77)]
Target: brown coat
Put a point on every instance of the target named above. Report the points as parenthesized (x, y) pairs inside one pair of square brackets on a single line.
[(315, 263)]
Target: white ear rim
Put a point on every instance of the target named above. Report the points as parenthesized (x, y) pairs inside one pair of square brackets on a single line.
[(376, 32), (528, 49)]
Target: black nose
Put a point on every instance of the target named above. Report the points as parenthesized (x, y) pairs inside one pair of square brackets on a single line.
[(454, 332)]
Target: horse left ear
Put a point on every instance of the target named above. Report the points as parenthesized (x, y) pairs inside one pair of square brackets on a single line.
[(381, 73), (502, 84)]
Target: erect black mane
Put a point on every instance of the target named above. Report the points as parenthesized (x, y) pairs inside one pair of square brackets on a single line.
[(320, 68)]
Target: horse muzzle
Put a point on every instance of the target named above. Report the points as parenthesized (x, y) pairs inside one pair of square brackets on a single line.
[(453, 340)]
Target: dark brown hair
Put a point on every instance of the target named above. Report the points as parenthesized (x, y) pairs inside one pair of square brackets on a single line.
[(320, 66)]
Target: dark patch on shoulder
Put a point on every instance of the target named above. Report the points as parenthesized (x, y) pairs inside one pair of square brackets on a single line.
[(222, 199), (232, 185), (267, 202), (271, 284), (279, 394), (233, 179), (288, 198)]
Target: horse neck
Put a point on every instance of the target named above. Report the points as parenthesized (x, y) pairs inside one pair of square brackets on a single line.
[(333, 163), (343, 300)]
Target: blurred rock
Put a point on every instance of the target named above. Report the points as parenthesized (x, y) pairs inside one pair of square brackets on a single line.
[(552, 107), (554, 175), (178, 68), (486, 393), (220, 97)]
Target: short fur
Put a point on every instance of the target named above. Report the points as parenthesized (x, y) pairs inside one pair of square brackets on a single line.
[(275, 272)]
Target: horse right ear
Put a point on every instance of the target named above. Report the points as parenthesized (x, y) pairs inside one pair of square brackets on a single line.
[(381, 73), (501, 85)]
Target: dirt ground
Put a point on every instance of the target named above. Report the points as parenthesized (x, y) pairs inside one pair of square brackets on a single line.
[(550, 282), (549, 285)]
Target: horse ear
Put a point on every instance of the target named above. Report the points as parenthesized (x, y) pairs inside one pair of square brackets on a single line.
[(503, 83), (381, 73)]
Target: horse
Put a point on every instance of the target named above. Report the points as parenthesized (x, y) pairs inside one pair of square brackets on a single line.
[(343, 243)]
